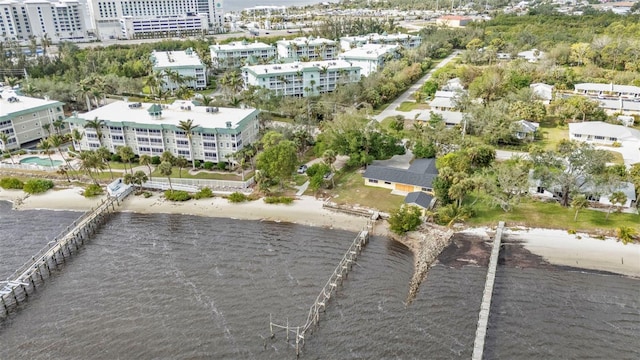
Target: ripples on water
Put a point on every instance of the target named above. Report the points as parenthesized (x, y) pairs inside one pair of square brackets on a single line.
[(184, 287)]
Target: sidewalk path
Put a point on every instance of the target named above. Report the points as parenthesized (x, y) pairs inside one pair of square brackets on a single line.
[(391, 109)]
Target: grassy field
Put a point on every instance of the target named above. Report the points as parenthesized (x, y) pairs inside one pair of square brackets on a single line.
[(551, 136), (350, 189), (617, 157), (533, 213), (409, 105)]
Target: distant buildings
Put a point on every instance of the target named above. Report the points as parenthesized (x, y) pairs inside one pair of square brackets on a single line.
[(24, 119), (453, 20), (406, 40), (239, 53), (301, 78), (594, 89), (307, 49), (188, 24), (532, 56), (151, 129), (370, 57), (185, 65)]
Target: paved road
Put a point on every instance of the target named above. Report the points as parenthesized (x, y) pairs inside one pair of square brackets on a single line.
[(407, 95)]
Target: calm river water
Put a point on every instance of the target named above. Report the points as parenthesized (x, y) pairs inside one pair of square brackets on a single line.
[(185, 287)]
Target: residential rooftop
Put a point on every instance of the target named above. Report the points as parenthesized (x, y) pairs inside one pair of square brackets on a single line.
[(307, 41), (164, 59), (375, 37), (241, 45), (131, 112), (600, 128), (614, 88), (298, 66), (12, 103), (369, 51)]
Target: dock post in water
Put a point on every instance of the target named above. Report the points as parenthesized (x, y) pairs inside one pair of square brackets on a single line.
[(485, 307)]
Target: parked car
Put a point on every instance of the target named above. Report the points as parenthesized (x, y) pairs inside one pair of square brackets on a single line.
[(328, 176), (302, 169)]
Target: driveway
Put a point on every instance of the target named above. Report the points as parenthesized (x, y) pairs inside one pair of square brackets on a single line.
[(396, 161), (407, 95), (630, 151), (508, 155)]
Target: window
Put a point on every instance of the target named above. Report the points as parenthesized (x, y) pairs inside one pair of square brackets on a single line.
[(373, 181), (599, 137), (387, 183), (577, 135)]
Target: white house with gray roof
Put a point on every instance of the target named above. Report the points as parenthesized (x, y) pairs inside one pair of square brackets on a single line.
[(620, 106), (407, 41), (370, 57), (24, 119), (185, 63), (599, 132), (307, 49), (418, 177), (151, 129), (627, 91), (239, 53), (444, 100), (301, 78)]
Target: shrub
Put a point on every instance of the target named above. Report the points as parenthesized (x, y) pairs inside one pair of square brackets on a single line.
[(116, 158), (93, 190), (37, 186), (208, 165), (222, 165), (177, 195), (278, 200), (237, 197), (616, 144), (404, 219), (197, 164), (203, 193), (155, 160), (11, 183), (6, 156)]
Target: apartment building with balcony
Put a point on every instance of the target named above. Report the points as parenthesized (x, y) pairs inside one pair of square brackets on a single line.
[(184, 64), (407, 41), (301, 78), (240, 53), (370, 57), (308, 49), (24, 119), (189, 24), (151, 129)]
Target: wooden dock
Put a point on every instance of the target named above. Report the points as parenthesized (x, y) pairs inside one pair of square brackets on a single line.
[(330, 287), (23, 281), (485, 306)]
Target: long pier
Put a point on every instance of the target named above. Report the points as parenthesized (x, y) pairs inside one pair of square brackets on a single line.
[(330, 287), (485, 307), (23, 281)]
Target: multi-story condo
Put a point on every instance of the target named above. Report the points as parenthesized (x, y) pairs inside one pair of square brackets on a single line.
[(370, 57), (406, 40), (180, 68), (188, 24), (239, 53), (308, 49), (63, 20), (106, 14), (151, 129), (26, 120), (301, 78)]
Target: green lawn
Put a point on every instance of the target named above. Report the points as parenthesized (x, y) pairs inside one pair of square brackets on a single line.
[(350, 189), (121, 166), (203, 175), (409, 105), (617, 157), (533, 213), (551, 136)]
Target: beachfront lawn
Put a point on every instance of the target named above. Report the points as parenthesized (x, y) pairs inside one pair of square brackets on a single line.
[(351, 190), (117, 165), (534, 213), (410, 105)]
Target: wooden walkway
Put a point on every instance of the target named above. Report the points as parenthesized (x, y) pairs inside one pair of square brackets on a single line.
[(330, 287), (485, 306), (23, 281)]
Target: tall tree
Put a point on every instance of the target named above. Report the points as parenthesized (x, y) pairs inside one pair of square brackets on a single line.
[(617, 197), (146, 161), (45, 145), (97, 125), (5, 145), (188, 127), (166, 169), (579, 202), (105, 155), (278, 161), (57, 141), (126, 154)]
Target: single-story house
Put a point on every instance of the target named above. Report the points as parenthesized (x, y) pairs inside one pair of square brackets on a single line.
[(420, 199), (454, 84), (626, 120), (602, 133), (418, 177), (620, 105), (526, 130), (627, 91), (444, 100), (450, 118), (532, 56), (503, 56), (544, 91), (592, 195)]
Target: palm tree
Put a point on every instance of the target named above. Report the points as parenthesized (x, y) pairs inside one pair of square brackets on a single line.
[(146, 160), (57, 141), (105, 155), (47, 127), (626, 233), (138, 178), (166, 169), (45, 145), (329, 157), (579, 202), (126, 154), (5, 145), (181, 163), (84, 90), (155, 81), (188, 127), (96, 124), (64, 170), (58, 125), (77, 136), (617, 197)]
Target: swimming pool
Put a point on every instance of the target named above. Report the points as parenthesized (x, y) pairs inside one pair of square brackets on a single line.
[(40, 161)]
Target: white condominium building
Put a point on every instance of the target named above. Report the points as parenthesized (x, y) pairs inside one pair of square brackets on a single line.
[(406, 40), (301, 78), (239, 53), (370, 57), (188, 24), (62, 20), (106, 14), (186, 67), (151, 129), (308, 49), (24, 119)]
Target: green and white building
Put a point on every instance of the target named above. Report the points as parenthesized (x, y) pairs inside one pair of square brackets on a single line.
[(239, 53), (308, 49), (406, 40), (301, 78), (185, 63), (151, 129), (24, 119), (370, 57)]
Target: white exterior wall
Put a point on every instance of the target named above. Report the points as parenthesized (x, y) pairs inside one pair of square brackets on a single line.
[(313, 49), (193, 68), (62, 21), (14, 21), (26, 125), (235, 54), (170, 26)]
